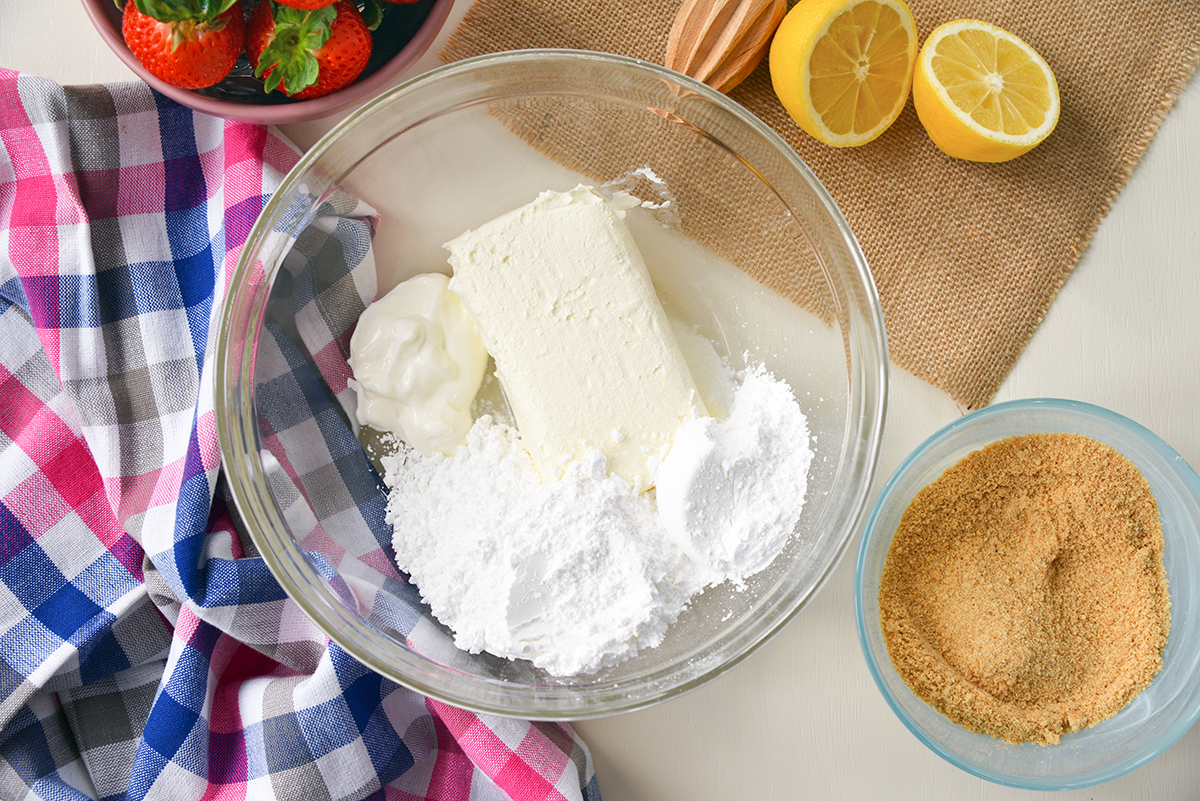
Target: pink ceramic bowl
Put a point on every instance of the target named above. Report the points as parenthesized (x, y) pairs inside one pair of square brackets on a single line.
[(406, 33)]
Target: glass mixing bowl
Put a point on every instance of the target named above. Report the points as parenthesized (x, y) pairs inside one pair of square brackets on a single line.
[(1157, 716), (447, 152)]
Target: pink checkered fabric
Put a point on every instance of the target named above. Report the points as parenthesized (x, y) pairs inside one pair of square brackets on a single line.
[(144, 653)]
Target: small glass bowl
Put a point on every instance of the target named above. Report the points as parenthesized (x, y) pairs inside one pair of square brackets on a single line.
[(447, 152), (1161, 713)]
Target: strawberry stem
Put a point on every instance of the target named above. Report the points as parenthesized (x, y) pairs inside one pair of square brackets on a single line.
[(290, 55)]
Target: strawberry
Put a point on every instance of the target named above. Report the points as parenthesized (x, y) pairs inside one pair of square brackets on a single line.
[(186, 43), (306, 5), (307, 54)]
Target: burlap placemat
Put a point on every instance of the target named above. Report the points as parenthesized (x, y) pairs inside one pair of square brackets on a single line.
[(967, 257)]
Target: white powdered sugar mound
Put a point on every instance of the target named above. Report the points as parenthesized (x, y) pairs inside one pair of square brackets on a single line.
[(569, 574), (582, 572), (726, 490)]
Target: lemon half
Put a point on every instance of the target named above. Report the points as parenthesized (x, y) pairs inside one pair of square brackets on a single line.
[(843, 68), (982, 94)]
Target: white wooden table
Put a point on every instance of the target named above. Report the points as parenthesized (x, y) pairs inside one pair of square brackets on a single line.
[(801, 718)]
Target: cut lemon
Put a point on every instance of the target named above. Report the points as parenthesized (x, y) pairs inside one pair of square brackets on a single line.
[(843, 68), (983, 94)]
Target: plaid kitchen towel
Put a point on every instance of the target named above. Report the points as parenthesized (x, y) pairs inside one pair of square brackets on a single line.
[(144, 652)]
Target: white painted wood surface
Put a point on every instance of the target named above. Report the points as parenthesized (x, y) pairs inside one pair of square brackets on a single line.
[(801, 718)]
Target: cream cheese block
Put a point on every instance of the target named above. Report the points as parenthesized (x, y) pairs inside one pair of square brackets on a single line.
[(583, 349)]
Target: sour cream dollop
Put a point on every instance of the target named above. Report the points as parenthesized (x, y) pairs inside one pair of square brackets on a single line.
[(418, 362)]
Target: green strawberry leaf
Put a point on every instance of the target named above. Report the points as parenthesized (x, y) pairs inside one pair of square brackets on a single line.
[(180, 10), (372, 12), (289, 56)]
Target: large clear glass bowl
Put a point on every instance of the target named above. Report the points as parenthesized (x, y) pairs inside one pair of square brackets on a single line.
[(1161, 713), (449, 151)]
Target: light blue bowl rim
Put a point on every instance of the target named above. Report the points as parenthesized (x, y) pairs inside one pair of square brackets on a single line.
[(1155, 443)]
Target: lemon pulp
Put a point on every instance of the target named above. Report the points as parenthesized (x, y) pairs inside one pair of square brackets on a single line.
[(983, 94), (843, 68)]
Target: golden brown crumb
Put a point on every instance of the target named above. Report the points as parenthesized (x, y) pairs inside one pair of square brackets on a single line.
[(1024, 595)]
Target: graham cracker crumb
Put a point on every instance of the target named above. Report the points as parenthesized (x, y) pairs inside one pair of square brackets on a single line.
[(1024, 594)]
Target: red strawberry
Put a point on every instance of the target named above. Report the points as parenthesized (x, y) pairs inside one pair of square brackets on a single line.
[(307, 53), (306, 5), (189, 44)]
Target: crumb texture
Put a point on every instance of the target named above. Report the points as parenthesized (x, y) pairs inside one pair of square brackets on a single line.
[(1024, 594)]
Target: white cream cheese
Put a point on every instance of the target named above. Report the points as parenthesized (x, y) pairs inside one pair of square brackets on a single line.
[(418, 362), (583, 349)]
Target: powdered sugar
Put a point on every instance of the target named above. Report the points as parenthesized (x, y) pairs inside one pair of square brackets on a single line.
[(580, 573), (568, 574), (726, 489)]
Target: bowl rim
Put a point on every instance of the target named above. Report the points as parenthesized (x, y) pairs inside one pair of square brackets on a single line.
[(1171, 460), (283, 113), (871, 407)]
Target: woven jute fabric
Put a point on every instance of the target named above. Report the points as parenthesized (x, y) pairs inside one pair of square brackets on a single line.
[(966, 257)]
